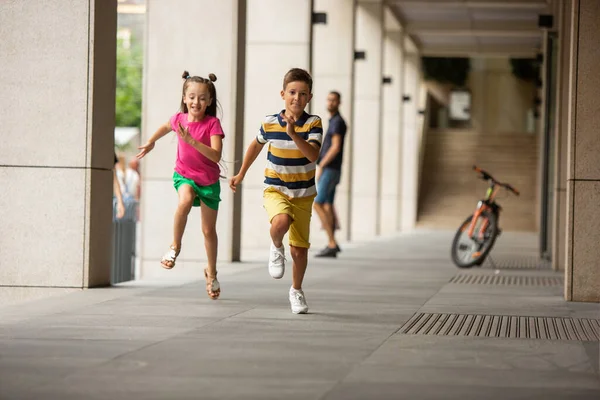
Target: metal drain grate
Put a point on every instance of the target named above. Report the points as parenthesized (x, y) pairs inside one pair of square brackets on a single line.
[(515, 262), (503, 326), (469, 279)]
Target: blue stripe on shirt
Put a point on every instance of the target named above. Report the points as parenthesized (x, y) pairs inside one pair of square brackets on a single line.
[(283, 136), (291, 185), (291, 162)]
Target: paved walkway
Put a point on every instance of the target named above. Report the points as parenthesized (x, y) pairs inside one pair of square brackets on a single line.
[(167, 340)]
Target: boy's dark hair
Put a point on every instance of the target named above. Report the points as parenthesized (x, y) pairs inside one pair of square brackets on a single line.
[(298, 75), (210, 110), (336, 93)]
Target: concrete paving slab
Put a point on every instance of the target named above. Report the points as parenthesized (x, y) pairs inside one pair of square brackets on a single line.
[(164, 339)]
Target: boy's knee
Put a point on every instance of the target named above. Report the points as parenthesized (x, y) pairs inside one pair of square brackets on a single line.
[(281, 222), (298, 252)]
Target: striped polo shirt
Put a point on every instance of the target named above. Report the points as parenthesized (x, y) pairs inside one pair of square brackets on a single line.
[(288, 171)]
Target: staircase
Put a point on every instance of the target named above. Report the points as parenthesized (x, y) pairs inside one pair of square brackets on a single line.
[(450, 189)]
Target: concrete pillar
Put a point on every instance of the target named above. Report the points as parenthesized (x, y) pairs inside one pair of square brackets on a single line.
[(57, 111), (332, 69), (411, 136), (366, 121), (582, 281), (561, 129), (171, 49), (543, 200), (278, 39), (391, 132)]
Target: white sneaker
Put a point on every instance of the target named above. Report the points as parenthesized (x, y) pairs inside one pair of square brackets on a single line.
[(298, 301), (277, 262)]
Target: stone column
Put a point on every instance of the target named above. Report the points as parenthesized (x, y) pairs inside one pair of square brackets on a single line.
[(278, 39), (561, 129), (391, 132), (332, 69), (366, 122), (582, 281), (214, 45), (411, 137), (57, 111)]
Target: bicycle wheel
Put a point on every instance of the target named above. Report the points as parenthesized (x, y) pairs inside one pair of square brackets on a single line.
[(469, 251)]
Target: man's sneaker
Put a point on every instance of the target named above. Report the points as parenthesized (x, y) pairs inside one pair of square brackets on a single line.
[(328, 252), (277, 262), (298, 302)]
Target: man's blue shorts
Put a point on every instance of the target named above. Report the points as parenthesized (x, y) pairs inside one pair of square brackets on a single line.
[(328, 180)]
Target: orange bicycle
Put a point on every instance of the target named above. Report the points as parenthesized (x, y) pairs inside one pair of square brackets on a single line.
[(476, 236)]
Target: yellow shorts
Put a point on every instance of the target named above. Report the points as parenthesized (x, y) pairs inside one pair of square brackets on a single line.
[(300, 210)]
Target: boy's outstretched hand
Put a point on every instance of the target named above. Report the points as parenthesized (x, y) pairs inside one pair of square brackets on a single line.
[(235, 181), (290, 124)]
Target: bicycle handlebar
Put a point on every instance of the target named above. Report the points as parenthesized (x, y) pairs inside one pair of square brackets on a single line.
[(487, 177)]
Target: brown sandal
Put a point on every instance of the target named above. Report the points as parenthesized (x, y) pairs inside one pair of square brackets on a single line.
[(169, 257), (213, 287)]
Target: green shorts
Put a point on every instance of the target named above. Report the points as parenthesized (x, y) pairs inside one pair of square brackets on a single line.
[(209, 195)]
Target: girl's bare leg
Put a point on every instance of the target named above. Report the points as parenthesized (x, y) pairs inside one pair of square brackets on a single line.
[(211, 241), (186, 200)]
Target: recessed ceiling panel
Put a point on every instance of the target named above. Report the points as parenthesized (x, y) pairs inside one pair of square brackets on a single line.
[(428, 13), (510, 41), (435, 40), (491, 14)]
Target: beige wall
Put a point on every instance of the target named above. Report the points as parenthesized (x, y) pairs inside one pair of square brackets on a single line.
[(499, 101), (57, 113)]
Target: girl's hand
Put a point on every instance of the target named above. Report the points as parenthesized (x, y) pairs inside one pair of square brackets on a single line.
[(235, 181), (145, 149), (290, 124), (184, 134)]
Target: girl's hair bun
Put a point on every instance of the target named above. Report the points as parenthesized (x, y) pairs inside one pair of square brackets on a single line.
[(212, 77), (185, 75)]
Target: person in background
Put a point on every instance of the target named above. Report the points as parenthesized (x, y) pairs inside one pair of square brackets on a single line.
[(129, 179), (134, 167), (120, 212), (330, 169)]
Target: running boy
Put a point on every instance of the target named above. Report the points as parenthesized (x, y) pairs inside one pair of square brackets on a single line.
[(294, 138)]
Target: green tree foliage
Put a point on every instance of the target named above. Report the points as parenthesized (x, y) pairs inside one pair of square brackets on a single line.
[(446, 69), (128, 107)]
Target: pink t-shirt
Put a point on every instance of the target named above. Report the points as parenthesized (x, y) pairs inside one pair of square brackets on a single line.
[(190, 163)]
